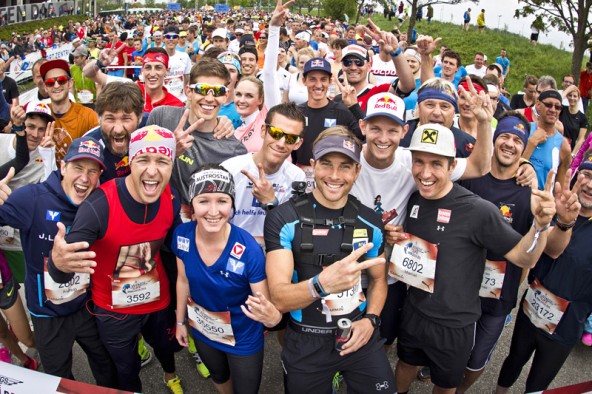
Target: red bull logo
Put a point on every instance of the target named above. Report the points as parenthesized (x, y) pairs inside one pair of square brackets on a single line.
[(89, 144), (387, 103), (349, 145), (89, 147), (138, 135), (122, 163), (316, 63)]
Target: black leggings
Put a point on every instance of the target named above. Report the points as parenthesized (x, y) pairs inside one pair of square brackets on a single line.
[(245, 371), (549, 357)]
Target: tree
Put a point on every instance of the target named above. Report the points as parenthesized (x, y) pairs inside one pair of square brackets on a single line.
[(336, 8), (415, 4), (571, 16)]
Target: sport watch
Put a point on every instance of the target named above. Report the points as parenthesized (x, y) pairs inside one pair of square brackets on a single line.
[(270, 205), (374, 319)]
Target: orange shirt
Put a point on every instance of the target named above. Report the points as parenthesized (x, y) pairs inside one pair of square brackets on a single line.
[(71, 125)]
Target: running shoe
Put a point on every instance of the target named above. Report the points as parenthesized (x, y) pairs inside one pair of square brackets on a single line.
[(201, 367), (175, 385), (145, 354), (191, 347), (336, 383), (424, 374), (31, 364), (587, 339), (5, 354)]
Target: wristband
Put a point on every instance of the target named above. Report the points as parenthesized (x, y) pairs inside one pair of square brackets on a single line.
[(396, 53), (18, 128), (565, 226), (180, 323), (523, 161), (312, 290), (537, 233), (99, 65), (318, 287)]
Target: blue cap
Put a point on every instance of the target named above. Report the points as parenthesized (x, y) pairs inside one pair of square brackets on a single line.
[(85, 148), (513, 125), (317, 64)]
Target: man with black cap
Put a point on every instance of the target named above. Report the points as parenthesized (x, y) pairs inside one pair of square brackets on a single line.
[(547, 149), (501, 279), (314, 243), (58, 312), (84, 88), (320, 113), (72, 120), (448, 231)]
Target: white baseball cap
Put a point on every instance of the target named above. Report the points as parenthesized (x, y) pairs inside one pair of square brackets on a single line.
[(433, 138), (220, 32), (386, 104)]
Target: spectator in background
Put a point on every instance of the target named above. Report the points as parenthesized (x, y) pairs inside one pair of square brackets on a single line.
[(586, 85), (481, 21)]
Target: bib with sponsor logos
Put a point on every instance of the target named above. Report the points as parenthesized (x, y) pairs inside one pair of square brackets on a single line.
[(215, 326), (126, 292), (543, 308), (85, 97), (59, 293), (493, 279), (413, 261), (345, 302)]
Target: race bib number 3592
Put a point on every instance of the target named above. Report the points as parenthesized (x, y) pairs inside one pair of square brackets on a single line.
[(413, 261)]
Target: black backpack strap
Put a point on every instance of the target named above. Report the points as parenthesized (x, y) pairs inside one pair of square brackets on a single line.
[(305, 209), (350, 214)]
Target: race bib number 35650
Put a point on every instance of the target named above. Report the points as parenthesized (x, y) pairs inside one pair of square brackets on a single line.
[(413, 261)]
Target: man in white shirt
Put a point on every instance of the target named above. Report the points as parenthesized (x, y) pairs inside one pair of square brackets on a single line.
[(263, 180), (179, 64), (478, 68)]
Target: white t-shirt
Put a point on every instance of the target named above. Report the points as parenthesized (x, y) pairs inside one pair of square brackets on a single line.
[(394, 185), (249, 215), (179, 65), (480, 72), (297, 93), (41, 164), (384, 72)]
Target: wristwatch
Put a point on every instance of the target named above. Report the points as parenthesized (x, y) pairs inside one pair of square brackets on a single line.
[(270, 205), (374, 319)]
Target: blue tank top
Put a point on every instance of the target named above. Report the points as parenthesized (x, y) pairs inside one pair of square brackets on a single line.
[(546, 156)]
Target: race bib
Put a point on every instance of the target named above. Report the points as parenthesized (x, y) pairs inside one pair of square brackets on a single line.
[(174, 85), (493, 279), (215, 326), (126, 292), (7, 236), (345, 302), (543, 308), (60, 293), (413, 261), (85, 97)]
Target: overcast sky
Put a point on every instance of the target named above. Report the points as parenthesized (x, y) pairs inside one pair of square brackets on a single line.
[(493, 10)]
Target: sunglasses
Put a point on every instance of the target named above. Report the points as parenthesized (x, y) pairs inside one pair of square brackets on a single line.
[(263, 37), (549, 106), (171, 36), (348, 62), (205, 89), (276, 133), (61, 80)]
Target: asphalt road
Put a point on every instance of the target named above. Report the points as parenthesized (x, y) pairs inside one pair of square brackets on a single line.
[(577, 369)]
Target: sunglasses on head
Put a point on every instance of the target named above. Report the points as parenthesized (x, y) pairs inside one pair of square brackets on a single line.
[(550, 106), (276, 133), (264, 37), (171, 36), (348, 62), (205, 89), (61, 80)]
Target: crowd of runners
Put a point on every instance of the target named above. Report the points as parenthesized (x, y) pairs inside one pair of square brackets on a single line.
[(199, 180)]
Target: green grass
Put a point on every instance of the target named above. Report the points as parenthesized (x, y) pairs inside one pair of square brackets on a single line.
[(525, 59)]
